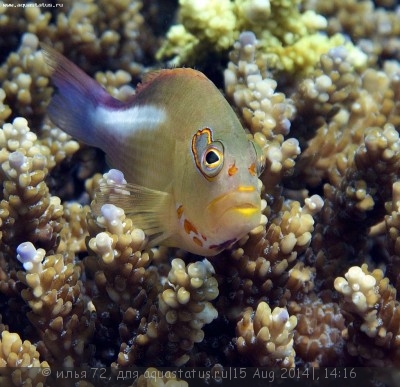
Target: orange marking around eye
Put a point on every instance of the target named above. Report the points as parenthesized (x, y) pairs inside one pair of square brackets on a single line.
[(232, 170), (189, 227), (179, 211), (252, 169), (198, 241), (204, 237), (199, 133)]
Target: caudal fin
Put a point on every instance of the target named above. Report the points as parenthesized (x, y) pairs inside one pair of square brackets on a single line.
[(74, 104)]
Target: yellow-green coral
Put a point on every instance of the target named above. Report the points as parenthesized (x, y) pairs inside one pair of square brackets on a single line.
[(203, 24), (288, 36), (213, 20)]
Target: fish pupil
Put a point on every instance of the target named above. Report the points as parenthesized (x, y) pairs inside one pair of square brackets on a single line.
[(212, 157)]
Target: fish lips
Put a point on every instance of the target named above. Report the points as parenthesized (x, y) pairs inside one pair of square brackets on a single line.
[(236, 208)]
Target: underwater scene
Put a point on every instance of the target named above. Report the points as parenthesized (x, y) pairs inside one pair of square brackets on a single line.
[(199, 185)]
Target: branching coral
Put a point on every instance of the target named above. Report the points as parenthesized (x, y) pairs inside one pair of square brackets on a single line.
[(185, 306), (59, 143), (392, 228), (117, 84), (269, 334), (318, 336), (5, 110), (355, 148), (73, 237), (370, 300), (24, 80), (23, 357), (58, 306), (28, 211), (120, 258), (358, 201), (353, 145), (110, 31), (265, 112), (266, 265), (372, 27), (342, 99), (11, 25), (125, 285)]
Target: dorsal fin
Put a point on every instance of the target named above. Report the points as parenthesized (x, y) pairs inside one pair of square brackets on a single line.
[(151, 75), (155, 75)]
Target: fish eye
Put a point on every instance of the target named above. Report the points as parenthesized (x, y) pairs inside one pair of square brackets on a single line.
[(212, 160), (260, 158), (212, 157)]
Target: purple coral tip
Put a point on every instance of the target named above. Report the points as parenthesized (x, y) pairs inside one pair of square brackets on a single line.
[(246, 38), (116, 176), (338, 53), (109, 212), (285, 123), (282, 316), (26, 252), (16, 159)]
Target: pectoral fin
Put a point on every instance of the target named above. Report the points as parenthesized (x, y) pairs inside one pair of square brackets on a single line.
[(149, 209)]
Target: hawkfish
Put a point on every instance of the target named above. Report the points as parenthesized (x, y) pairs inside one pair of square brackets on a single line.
[(191, 170)]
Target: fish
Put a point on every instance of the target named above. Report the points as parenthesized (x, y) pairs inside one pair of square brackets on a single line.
[(191, 169)]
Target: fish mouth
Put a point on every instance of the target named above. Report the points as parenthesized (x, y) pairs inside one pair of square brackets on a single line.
[(244, 201), (246, 209)]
